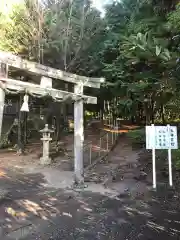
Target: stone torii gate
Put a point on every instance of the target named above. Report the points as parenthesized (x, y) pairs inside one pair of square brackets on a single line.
[(10, 60)]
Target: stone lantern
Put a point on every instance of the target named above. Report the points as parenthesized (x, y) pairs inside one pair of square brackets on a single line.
[(46, 133)]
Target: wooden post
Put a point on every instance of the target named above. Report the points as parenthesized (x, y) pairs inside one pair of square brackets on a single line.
[(78, 136), (25, 128), (20, 144)]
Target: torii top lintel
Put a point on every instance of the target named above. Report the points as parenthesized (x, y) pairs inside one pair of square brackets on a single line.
[(39, 69)]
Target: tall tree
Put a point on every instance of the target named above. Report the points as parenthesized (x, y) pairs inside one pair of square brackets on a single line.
[(139, 60)]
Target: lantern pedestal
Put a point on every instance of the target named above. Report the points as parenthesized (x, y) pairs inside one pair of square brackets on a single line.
[(45, 159)]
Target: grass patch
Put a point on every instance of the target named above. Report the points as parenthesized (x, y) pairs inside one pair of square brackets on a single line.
[(137, 137)]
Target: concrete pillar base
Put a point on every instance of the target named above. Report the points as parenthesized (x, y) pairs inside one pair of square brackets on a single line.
[(45, 160)]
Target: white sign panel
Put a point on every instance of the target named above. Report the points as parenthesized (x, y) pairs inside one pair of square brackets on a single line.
[(161, 137)]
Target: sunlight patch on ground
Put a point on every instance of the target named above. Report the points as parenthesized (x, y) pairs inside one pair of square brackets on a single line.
[(115, 130), (86, 208), (67, 214), (156, 226), (31, 206), (130, 127), (3, 174)]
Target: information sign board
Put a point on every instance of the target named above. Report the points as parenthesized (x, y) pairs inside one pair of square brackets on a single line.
[(161, 137)]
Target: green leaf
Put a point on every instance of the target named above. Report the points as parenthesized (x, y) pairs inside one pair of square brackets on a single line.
[(158, 50), (167, 54)]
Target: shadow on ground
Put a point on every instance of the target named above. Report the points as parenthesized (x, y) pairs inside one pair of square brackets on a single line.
[(30, 211)]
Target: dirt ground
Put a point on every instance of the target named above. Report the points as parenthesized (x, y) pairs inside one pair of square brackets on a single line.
[(63, 159), (121, 206)]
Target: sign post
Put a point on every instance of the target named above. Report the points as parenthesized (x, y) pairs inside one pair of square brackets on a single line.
[(161, 137), (154, 158), (169, 156)]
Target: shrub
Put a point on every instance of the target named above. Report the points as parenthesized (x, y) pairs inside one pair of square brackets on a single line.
[(137, 136), (176, 158)]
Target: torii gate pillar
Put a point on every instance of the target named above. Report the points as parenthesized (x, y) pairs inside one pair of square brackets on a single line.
[(3, 73), (78, 136)]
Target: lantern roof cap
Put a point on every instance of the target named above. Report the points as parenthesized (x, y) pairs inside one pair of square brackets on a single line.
[(46, 129)]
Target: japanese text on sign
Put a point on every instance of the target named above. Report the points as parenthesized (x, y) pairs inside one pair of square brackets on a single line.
[(161, 137)]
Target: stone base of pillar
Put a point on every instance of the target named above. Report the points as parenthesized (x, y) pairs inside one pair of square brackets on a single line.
[(45, 160)]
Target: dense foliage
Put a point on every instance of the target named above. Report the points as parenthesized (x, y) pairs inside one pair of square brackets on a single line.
[(142, 62), (135, 46)]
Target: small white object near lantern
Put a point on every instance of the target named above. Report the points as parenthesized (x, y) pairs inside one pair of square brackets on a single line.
[(46, 132), (25, 106)]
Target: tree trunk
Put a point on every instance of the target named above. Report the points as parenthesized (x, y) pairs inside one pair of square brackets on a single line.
[(101, 115), (152, 111), (162, 114), (132, 119)]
